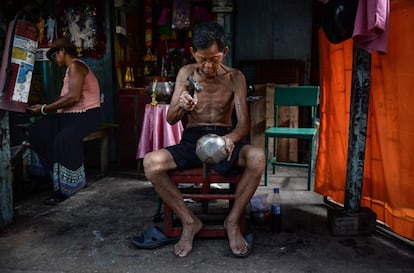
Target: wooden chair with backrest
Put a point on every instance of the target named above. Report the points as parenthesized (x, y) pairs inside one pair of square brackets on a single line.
[(302, 96)]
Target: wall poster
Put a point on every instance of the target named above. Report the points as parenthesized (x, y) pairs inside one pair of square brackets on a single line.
[(82, 23), (17, 65)]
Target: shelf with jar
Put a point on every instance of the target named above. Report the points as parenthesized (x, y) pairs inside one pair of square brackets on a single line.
[(168, 33), (153, 38)]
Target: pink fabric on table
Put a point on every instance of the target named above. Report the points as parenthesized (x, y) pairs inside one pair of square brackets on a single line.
[(156, 133), (371, 25)]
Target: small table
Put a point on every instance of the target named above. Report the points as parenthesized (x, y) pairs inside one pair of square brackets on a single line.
[(156, 132)]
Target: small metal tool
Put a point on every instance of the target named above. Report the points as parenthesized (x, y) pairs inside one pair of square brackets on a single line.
[(194, 85)]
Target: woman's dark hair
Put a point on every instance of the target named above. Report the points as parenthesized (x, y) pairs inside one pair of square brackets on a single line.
[(205, 34), (71, 51)]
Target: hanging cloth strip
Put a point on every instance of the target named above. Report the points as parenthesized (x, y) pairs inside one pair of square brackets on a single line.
[(371, 25)]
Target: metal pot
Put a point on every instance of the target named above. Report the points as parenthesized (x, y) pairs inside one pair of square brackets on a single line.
[(163, 90), (211, 149)]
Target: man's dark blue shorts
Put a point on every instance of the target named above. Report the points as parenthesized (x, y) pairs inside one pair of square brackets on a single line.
[(184, 153)]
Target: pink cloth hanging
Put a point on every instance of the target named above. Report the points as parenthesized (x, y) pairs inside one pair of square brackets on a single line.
[(371, 25), (156, 133)]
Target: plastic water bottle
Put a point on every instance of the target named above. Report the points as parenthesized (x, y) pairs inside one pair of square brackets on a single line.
[(275, 212)]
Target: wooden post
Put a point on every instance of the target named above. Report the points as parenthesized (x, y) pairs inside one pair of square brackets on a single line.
[(6, 192), (358, 123), (352, 219)]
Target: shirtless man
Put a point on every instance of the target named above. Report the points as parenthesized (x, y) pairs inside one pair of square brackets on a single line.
[(209, 111)]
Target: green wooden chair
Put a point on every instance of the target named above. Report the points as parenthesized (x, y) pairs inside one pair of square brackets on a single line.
[(303, 96)]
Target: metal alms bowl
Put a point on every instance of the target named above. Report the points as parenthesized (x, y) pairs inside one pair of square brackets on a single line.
[(211, 149), (163, 90)]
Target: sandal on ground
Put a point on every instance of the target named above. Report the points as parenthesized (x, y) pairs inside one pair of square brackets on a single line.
[(153, 238), (55, 198)]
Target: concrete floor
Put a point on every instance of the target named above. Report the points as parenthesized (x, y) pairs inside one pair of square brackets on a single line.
[(91, 231)]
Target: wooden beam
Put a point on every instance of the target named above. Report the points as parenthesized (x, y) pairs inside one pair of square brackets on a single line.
[(358, 123), (6, 191)]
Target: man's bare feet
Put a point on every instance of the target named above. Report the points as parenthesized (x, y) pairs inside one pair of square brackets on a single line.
[(237, 243), (185, 244)]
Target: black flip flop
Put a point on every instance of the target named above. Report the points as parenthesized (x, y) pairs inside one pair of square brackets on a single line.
[(153, 238), (55, 198)]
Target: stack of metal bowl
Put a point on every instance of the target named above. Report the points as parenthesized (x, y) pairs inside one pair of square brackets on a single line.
[(163, 90)]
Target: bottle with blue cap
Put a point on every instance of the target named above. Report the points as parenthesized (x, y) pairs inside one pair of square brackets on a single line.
[(276, 212)]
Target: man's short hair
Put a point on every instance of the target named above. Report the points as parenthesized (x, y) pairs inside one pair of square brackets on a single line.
[(205, 34)]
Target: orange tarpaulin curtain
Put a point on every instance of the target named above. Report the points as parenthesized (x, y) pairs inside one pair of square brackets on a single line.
[(388, 183)]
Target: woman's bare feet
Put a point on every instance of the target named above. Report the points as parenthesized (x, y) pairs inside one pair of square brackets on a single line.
[(185, 244), (237, 243)]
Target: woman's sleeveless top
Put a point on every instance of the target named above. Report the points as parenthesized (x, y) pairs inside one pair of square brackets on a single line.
[(90, 92)]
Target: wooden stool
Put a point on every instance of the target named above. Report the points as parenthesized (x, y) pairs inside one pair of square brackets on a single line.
[(204, 194), (102, 133)]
